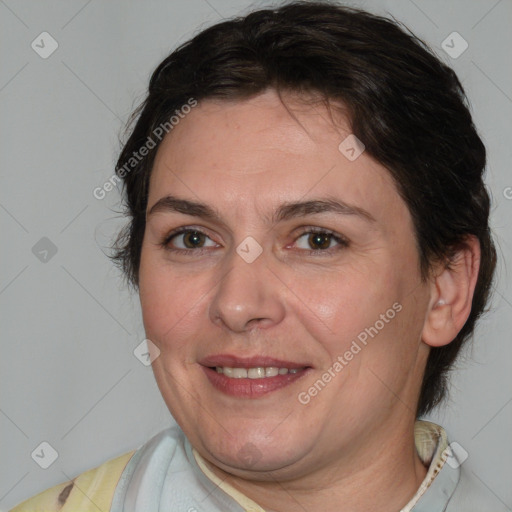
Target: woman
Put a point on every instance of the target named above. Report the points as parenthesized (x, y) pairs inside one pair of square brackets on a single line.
[(309, 239)]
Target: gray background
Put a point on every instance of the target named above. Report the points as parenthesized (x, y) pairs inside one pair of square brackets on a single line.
[(68, 373)]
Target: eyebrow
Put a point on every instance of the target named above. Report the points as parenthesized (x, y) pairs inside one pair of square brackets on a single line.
[(285, 211)]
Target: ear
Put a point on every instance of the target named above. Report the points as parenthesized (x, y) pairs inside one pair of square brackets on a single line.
[(452, 289)]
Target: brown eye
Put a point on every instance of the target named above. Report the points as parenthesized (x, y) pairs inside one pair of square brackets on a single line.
[(320, 241), (193, 239), (186, 240)]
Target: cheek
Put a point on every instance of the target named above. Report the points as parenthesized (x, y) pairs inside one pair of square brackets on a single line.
[(168, 301), (335, 307), (175, 301)]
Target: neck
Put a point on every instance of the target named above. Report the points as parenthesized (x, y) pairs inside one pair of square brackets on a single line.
[(383, 476)]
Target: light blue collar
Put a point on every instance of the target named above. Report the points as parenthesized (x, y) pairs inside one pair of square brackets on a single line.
[(163, 475)]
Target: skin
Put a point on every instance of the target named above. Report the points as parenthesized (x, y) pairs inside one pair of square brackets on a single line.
[(245, 158)]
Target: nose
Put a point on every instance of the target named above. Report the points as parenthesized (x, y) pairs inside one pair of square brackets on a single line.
[(248, 296)]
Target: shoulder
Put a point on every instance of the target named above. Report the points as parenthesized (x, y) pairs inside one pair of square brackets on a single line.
[(91, 491), (94, 490)]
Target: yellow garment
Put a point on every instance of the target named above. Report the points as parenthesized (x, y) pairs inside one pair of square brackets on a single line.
[(91, 491)]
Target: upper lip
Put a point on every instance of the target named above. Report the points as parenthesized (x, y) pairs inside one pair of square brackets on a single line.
[(231, 361)]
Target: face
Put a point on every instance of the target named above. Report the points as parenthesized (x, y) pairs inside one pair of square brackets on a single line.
[(252, 287)]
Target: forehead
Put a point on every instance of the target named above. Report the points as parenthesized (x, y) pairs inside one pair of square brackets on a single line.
[(260, 152)]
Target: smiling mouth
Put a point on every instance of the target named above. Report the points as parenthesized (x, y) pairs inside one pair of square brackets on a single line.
[(251, 377), (259, 372), (253, 382)]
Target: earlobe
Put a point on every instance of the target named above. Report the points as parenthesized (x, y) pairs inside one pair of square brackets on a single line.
[(452, 290)]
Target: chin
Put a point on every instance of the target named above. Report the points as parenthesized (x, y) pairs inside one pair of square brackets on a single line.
[(247, 452)]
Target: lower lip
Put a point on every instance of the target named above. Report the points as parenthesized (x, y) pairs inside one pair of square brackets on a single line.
[(251, 388)]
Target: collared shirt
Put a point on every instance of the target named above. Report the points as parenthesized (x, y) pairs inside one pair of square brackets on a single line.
[(167, 474)]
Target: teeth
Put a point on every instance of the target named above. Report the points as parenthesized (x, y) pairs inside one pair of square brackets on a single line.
[(255, 373), (271, 371)]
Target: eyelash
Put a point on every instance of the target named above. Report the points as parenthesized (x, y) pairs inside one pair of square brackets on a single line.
[(343, 243)]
